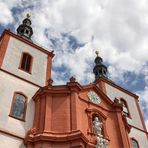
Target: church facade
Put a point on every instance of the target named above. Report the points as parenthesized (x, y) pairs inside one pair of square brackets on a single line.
[(37, 114)]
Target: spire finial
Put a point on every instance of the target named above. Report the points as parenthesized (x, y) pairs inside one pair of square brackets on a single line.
[(28, 15), (97, 53)]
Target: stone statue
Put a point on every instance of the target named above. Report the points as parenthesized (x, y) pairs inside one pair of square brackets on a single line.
[(106, 143), (97, 126), (101, 142)]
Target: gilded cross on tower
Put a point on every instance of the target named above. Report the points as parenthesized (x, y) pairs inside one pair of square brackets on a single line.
[(28, 15), (97, 53)]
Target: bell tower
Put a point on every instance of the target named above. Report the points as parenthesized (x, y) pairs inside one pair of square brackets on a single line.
[(25, 29), (25, 67)]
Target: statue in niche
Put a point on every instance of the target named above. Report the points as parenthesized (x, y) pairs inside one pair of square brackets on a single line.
[(102, 143), (97, 127)]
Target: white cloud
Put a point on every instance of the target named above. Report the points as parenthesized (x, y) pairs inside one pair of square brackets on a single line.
[(5, 14), (118, 28), (144, 94)]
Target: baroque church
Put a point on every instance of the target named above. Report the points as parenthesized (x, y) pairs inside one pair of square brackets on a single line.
[(34, 113)]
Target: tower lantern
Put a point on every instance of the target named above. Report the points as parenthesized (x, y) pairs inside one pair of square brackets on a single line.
[(100, 70), (25, 28)]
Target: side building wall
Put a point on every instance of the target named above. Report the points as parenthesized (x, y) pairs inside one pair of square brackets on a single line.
[(135, 120), (8, 124), (13, 79)]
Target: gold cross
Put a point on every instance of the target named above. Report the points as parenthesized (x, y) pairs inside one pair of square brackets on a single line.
[(97, 53), (28, 15)]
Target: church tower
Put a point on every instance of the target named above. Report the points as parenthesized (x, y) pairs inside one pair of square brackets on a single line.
[(25, 67), (34, 113)]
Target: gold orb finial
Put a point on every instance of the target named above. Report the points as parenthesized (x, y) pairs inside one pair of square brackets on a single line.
[(97, 53), (28, 15)]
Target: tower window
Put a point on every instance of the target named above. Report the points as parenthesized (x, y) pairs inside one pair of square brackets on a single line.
[(27, 31), (104, 72), (18, 106), (100, 71), (26, 62), (134, 143)]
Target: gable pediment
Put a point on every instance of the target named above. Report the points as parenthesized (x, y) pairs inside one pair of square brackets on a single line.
[(94, 96)]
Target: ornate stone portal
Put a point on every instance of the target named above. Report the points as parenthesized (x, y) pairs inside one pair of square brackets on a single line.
[(98, 129)]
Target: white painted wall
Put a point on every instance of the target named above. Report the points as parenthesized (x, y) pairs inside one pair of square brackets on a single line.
[(135, 117), (113, 93), (140, 137), (10, 142), (9, 85), (12, 61)]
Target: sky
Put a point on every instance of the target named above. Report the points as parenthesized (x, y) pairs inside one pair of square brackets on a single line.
[(75, 29)]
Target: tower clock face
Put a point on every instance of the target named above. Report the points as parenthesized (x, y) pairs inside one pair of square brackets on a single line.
[(93, 97)]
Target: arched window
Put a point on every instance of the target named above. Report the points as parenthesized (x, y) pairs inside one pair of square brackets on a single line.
[(26, 62), (125, 107), (18, 106), (134, 143)]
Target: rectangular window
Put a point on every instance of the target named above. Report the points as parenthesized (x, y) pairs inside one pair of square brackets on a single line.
[(26, 62)]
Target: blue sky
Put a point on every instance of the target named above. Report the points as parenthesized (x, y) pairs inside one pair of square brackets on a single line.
[(75, 30)]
